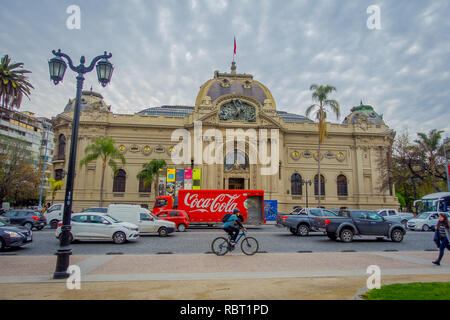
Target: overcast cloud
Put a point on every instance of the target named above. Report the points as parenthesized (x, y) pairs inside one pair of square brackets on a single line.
[(163, 51)]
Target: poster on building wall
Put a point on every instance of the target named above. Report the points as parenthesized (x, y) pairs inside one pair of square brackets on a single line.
[(188, 179), (179, 180), (270, 210), (162, 177), (196, 179), (170, 185)]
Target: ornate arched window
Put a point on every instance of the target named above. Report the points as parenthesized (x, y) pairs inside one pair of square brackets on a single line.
[(62, 147), (59, 174), (142, 188), (120, 180), (296, 185), (316, 185), (236, 155), (342, 189)]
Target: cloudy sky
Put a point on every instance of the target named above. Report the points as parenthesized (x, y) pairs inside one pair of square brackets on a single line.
[(163, 51)]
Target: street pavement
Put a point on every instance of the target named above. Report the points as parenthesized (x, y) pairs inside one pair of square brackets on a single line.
[(325, 275), (181, 266), (198, 240)]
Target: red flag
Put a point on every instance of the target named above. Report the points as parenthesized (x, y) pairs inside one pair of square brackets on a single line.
[(234, 45)]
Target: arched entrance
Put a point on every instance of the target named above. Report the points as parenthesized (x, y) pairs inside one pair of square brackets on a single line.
[(236, 170)]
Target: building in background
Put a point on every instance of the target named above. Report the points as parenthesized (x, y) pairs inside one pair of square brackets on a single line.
[(351, 159)]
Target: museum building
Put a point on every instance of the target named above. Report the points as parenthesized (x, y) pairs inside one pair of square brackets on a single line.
[(351, 156)]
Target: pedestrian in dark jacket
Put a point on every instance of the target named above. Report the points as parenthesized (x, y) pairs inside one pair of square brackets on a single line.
[(442, 236)]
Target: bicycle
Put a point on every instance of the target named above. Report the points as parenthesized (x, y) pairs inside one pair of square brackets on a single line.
[(221, 245)]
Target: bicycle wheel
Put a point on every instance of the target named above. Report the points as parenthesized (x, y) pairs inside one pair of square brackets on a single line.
[(249, 246), (220, 246)]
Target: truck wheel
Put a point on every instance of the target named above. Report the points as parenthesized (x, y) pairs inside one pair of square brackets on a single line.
[(331, 235), (181, 227), (397, 235), (293, 231), (346, 235), (302, 230), (162, 232)]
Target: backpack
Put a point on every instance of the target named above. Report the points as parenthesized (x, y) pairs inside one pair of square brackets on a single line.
[(226, 217)]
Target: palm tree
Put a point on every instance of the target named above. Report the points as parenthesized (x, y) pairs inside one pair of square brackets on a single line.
[(320, 95), (103, 148), (56, 185), (149, 173), (13, 83), (431, 144)]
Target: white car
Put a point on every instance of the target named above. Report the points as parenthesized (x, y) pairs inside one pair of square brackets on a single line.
[(54, 215), (96, 226), (424, 221), (141, 217)]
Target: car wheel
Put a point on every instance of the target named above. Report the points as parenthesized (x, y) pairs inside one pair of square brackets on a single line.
[(2, 244), (39, 228), (162, 232), (119, 237), (181, 227), (397, 235), (54, 224), (302, 230), (28, 225), (425, 228), (346, 235), (331, 235), (293, 231)]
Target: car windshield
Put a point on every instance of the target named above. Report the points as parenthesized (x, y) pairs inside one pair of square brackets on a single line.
[(426, 205), (112, 219), (423, 215)]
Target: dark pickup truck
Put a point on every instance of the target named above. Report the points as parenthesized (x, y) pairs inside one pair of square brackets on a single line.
[(301, 223), (360, 223)]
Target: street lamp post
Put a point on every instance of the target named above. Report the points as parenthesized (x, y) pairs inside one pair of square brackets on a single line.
[(306, 182), (57, 69)]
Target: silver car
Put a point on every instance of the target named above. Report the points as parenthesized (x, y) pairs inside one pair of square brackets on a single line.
[(424, 221)]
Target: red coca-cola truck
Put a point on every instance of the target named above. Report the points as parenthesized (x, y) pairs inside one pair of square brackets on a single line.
[(209, 206)]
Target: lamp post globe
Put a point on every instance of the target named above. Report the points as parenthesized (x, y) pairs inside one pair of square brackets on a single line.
[(104, 71), (57, 68)]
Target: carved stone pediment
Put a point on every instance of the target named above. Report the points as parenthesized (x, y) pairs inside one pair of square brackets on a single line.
[(237, 110), (236, 168)]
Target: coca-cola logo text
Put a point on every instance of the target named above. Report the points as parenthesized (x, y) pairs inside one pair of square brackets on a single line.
[(221, 203)]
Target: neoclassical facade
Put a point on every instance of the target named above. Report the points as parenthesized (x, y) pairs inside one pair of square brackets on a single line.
[(351, 156)]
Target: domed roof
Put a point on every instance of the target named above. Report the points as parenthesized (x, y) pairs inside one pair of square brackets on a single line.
[(234, 83), (363, 112), (89, 100)]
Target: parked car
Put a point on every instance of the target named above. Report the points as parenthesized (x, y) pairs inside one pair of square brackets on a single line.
[(361, 223), (394, 215), (179, 217), (424, 221), (141, 217), (303, 223), (14, 236), (96, 209), (5, 220), (28, 218), (54, 215), (96, 226)]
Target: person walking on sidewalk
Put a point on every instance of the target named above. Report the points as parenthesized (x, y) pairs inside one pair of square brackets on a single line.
[(442, 236)]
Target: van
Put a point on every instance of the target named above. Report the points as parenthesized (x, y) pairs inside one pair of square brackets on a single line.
[(141, 217), (54, 215)]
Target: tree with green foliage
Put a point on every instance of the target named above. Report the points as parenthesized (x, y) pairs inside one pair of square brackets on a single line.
[(149, 173), (320, 95), (13, 83), (55, 186), (105, 150)]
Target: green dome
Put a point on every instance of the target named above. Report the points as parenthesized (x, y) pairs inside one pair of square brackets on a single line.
[(363, 111)]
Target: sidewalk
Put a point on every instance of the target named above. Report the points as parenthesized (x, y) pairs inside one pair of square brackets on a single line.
[(206, 276)]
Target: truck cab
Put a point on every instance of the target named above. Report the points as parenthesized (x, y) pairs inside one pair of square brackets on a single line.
[(163, 203)]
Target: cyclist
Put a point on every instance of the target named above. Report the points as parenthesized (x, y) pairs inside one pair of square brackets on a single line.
[(233, 225)]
